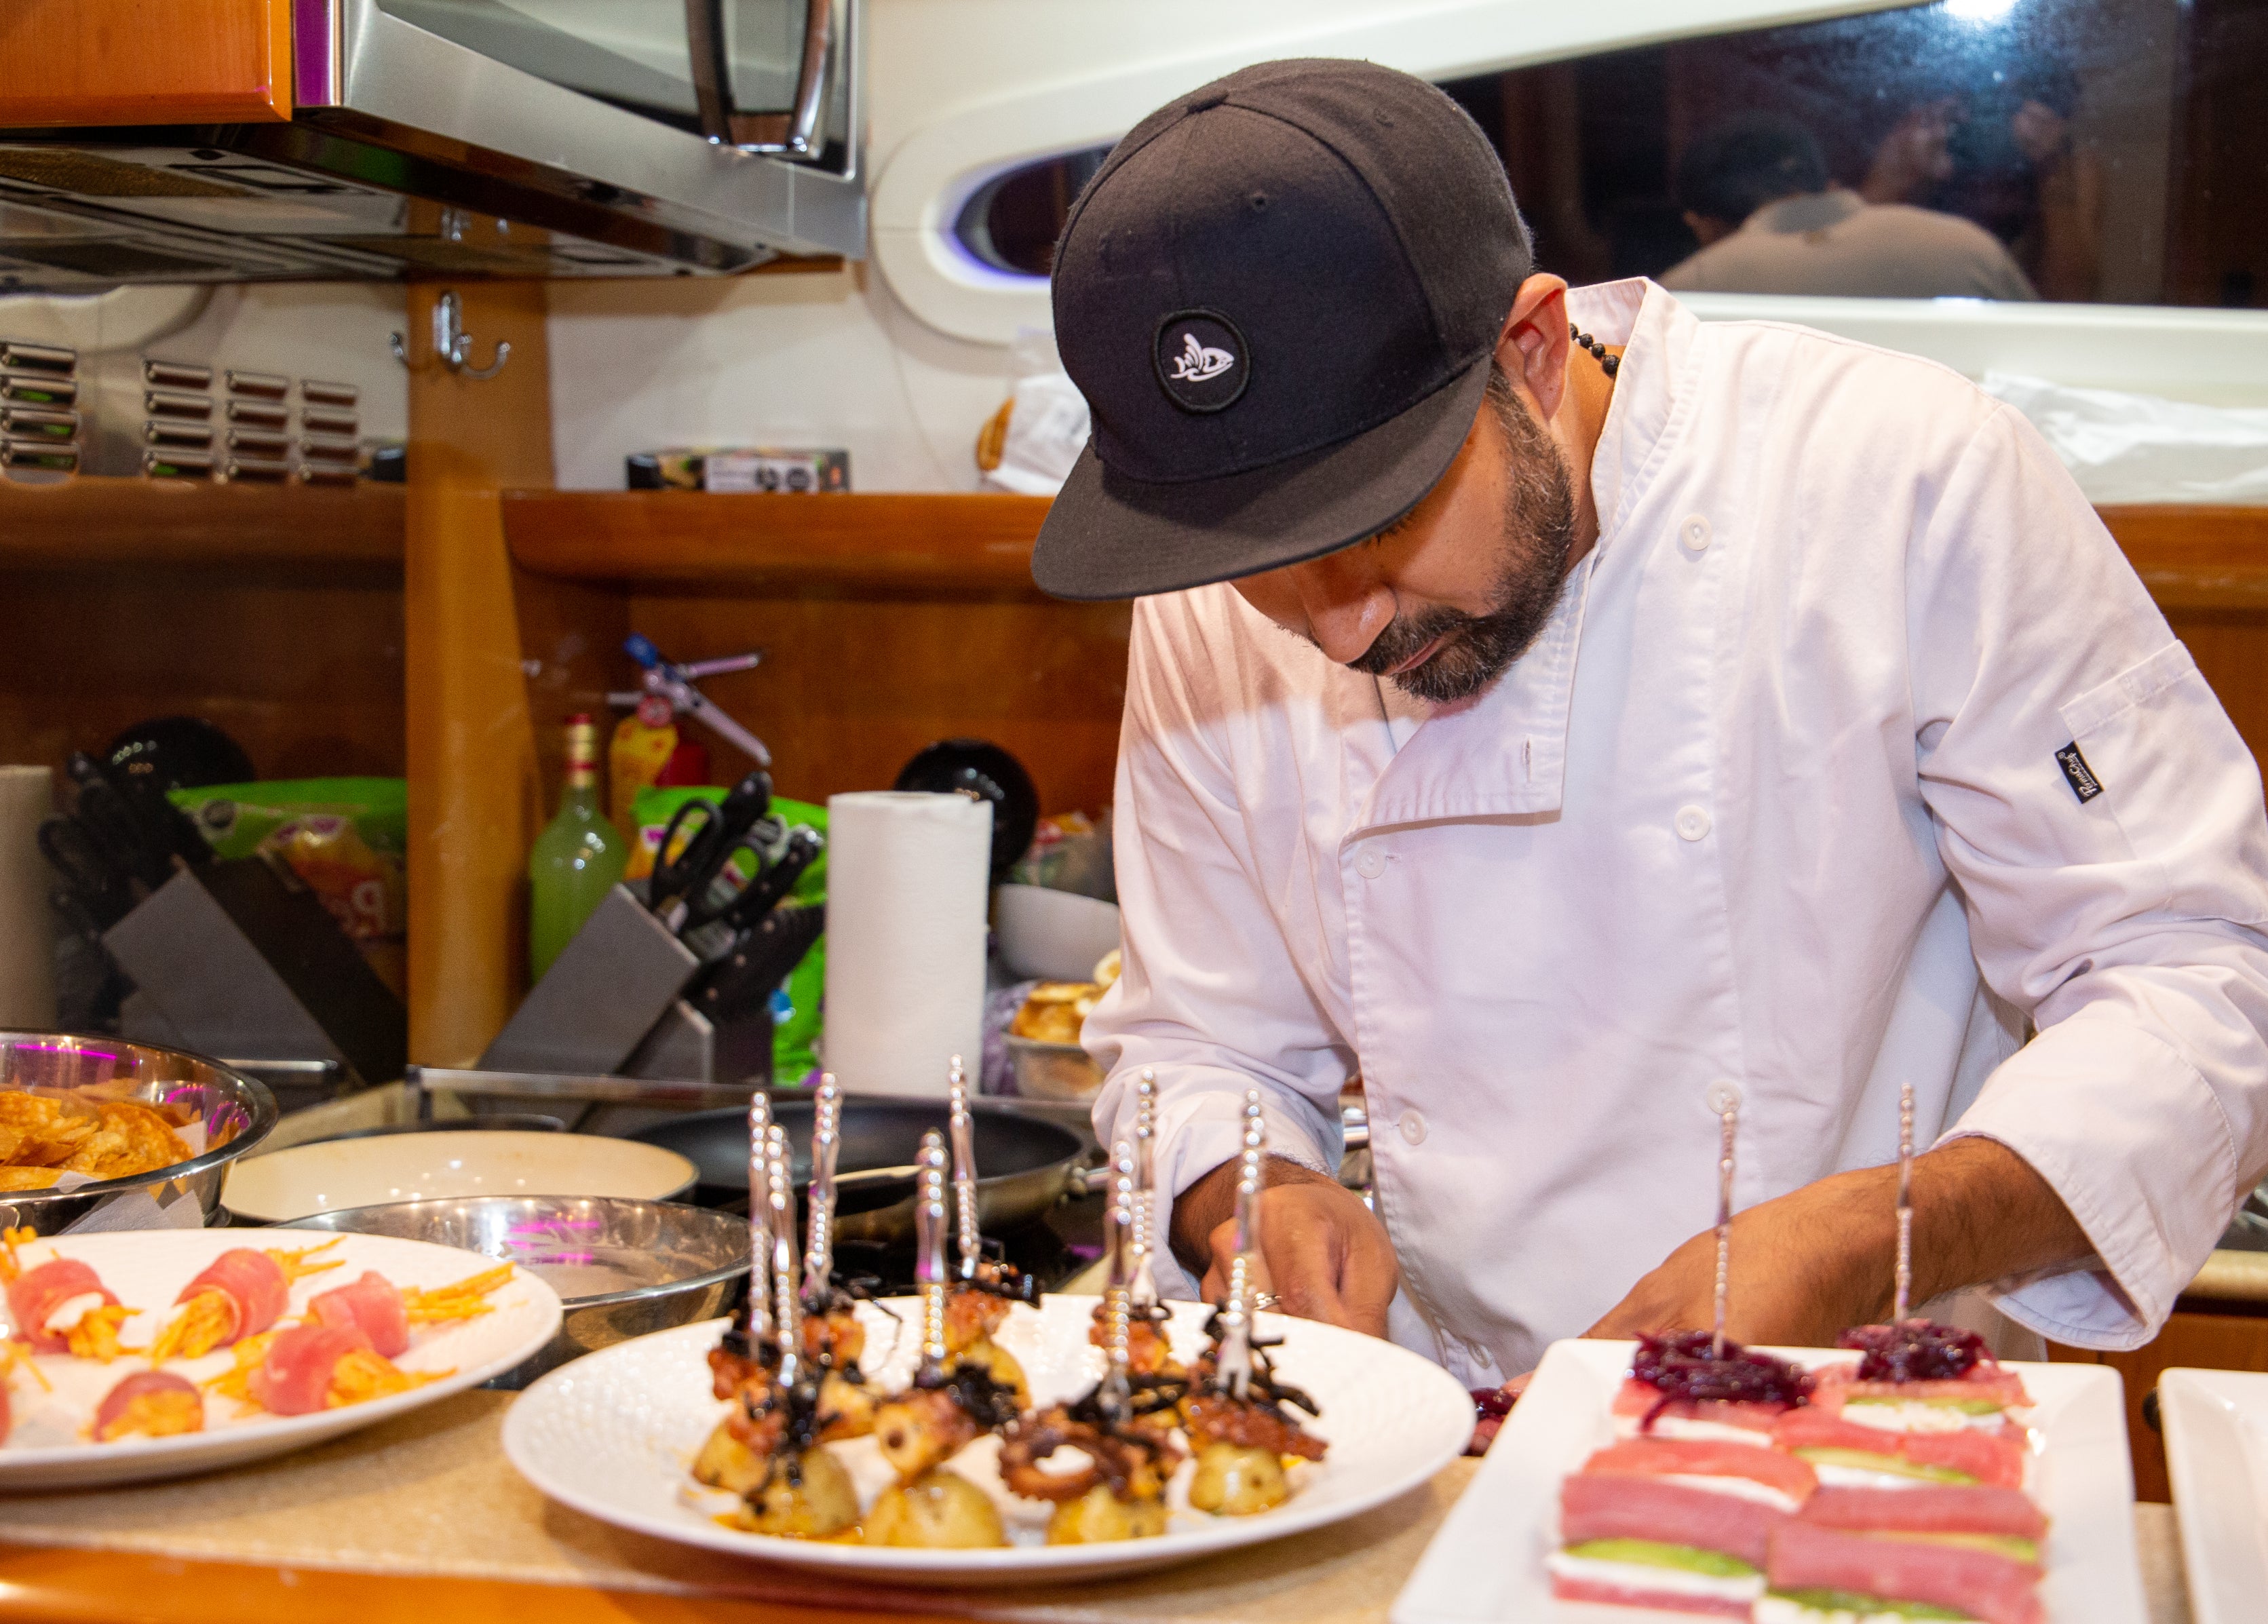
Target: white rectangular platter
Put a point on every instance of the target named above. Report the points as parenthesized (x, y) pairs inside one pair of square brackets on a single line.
[(2216, 1424), (1485, 1566)]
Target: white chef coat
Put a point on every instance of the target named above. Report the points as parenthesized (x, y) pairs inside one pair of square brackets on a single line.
[(1774, 798)]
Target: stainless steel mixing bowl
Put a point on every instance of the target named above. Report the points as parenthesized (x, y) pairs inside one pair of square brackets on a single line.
[(621, 1268), (234, 1110)]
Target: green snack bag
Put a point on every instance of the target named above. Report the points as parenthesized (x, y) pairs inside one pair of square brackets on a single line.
[(347, 839), (795, 1008)]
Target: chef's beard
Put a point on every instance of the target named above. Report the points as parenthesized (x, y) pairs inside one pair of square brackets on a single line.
[(1539, 533)]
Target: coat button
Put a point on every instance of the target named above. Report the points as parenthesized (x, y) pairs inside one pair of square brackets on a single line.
[(1371, 863), (1693, 535), (1692, 823), (1412, 1127)]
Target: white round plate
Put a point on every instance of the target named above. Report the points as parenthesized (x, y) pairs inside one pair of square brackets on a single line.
[(612, 1435), (339, 1173), (48, 1447)]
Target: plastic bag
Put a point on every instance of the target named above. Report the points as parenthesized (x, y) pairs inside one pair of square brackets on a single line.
[(1047, 424), (2124, 447)]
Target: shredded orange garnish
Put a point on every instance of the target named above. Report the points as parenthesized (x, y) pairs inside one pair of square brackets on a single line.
[(236, 1382), (14, 1357), (364, 1375), (464, 1300), (95, 1336), (295, 1265), (156, 1416), (197, 1329), (11, 1266)]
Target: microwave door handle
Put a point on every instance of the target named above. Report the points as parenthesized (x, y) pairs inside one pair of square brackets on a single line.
[(794, 132)]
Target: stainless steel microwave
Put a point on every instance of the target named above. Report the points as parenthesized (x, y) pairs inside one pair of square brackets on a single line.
[(470, 137)]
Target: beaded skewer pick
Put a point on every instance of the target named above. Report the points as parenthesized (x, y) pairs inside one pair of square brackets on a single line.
[(760, 1218), (930, 1273), (1144, 1282), (1724, 1100), (1117, 1392), (1234, 1370), (1902, 1281), (788, 1309), (826, 1145), (964, 1170)]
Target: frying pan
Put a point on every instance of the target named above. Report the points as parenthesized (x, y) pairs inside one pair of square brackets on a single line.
[(1024, 1164)]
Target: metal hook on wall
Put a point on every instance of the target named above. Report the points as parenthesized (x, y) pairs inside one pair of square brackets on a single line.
[(453, 346)]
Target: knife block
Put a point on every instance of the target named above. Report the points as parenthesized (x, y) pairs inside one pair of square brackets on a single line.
[(240, 958), (601, 996), (685, 1045)]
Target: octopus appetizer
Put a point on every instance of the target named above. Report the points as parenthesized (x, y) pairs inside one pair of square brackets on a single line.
[(1238, 1413), (952, 1402), (1120, 1491), (240, 1295), (983, 1289), (60, 1305), (780, 1371)]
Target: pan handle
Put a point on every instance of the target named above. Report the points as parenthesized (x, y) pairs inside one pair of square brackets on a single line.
[(1354, 1123)]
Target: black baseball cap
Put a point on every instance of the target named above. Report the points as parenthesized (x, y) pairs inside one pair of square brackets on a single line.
[(1279, 295)]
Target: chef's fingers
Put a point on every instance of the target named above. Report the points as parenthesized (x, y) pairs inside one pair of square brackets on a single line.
[(1326, 1257)]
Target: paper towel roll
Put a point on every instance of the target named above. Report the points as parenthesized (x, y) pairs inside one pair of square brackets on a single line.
[(27, 928), (906, 877)]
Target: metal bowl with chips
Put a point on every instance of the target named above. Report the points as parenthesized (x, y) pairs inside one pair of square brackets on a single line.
[(94, 1113)]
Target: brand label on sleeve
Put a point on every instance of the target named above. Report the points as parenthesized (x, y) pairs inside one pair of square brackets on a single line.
[(2078, 774)]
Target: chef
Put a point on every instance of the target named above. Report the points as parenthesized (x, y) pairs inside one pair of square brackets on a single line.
[(1559, 712)]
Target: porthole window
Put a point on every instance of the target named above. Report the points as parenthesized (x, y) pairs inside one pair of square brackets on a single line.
[(1011, 222)]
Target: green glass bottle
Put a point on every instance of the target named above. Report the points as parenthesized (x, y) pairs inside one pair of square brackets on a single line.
[(577, 858)]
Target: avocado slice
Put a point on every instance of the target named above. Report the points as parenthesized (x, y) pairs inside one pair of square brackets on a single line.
[(1654, 1554)]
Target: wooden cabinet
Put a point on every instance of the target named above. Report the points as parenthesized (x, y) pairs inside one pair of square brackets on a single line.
[(144, 61), (2206, 1336)]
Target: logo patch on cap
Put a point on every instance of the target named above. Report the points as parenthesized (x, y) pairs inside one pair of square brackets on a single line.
[(1202, 362)]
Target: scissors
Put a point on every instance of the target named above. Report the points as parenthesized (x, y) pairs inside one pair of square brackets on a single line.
[(699, 839), (770, 887)]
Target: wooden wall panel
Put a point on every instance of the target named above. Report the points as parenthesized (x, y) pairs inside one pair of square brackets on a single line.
[(474, 800), (304, 671), (848, 690), (144, 61)]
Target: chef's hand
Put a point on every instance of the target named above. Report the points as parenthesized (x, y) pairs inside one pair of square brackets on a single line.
[(1325, 1256), (1810, 1264)]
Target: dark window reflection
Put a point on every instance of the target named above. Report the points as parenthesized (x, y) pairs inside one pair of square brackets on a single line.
[(2076, 150)]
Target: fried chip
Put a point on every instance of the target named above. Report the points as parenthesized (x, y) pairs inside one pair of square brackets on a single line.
[(48, 1131), (14, 1179), (132, 1140), (43, 1135)]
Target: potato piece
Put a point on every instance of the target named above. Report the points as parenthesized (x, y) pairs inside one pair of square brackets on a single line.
[(1000, 1365), (1235, 1481), (939, 1511), (1098, 1517), (846, 1409), (726, 1463), (822, 1502)]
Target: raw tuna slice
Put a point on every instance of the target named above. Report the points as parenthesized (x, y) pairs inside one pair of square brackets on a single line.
[(1980, 1584), (294, 1378), (154, 1403), (371, 1304), (35, 1295), (1993, 1458), (1932, 1508), (1640, 1411), (1701, 1457), (252, 1282), (1643, 1508)]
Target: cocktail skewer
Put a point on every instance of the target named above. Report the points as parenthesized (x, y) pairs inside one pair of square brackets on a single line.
[(760, 1221), (1234, 1368), (1903, 1282), (1724, 1100), (825, 1146), (788, 1308), (1115, 1392), (1145, 1284), (930, 1273), (964, 1171)]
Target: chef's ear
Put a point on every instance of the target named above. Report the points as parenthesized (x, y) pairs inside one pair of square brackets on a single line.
[(1533, 346)]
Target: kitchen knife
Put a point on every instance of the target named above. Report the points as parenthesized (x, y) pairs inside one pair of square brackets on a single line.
[(90, 879), (761, 958), (770, 888)]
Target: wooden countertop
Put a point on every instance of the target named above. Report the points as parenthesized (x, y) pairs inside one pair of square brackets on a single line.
[(421, 1520)]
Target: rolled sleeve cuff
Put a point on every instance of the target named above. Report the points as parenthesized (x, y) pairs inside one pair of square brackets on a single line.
[(2132, 1139)]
